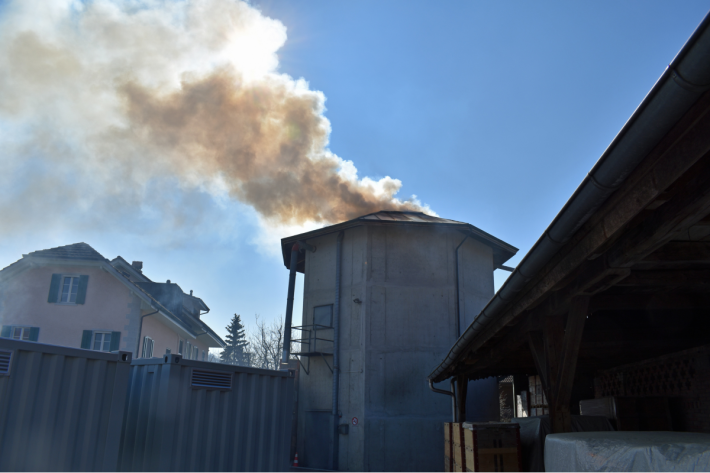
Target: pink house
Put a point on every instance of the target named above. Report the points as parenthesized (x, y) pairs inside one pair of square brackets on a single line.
[(73, 296)]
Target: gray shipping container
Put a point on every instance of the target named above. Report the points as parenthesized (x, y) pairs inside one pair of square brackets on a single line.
[(185, 415), (61, 409)]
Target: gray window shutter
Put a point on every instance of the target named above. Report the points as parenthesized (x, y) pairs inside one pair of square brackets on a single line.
[(115, 340), (54, 288), (6, 329), (34, 334), (81, 292), (86, 339)]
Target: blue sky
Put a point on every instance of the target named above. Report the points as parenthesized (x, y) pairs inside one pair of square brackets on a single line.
[(490, 112)]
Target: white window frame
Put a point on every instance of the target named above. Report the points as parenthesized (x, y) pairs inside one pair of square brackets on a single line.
[(23, 330), (103, 340), (148, 345), (71, 285)]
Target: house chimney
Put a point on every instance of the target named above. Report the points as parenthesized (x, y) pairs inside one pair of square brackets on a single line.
[(168, 281), (190, 291), (137, 265)]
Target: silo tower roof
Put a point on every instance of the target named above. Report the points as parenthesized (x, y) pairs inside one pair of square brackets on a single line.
[(502, 251)]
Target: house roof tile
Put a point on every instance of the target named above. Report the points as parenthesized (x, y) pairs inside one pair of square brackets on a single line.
[(80, 251)]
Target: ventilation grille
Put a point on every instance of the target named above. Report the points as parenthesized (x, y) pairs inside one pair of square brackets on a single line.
[(5, 358), (211, 379)]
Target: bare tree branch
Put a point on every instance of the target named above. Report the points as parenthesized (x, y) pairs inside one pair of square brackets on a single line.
[(266, 344)]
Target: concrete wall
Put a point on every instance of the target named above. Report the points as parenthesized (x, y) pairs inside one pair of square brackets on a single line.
[(406, 321), (475, 270), (315, 389)]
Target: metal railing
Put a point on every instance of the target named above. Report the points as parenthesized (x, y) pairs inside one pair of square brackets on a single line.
[(314, 340)]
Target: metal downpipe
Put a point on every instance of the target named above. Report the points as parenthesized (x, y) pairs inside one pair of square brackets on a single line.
[(140, 332), (336, 350), (289, 305), (458, 289), (451, 393)]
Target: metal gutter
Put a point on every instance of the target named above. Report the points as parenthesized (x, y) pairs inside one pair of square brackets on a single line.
[(206, 329), (220, 343), (679, 87)]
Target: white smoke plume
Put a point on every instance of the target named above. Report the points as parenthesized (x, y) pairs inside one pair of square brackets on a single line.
[(108, 105)]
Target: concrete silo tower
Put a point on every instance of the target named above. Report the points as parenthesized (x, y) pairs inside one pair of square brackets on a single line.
[(408, 285)]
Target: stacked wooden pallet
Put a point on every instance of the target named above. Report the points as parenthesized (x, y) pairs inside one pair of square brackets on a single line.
[(473, 446)]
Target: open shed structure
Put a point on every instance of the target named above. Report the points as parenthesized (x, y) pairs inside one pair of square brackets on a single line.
[(614, 298)]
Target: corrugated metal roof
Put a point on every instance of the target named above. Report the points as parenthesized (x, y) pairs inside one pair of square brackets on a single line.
[(502, 250), (419, 217)]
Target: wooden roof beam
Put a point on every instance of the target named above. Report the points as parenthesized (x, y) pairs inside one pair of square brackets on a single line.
[(687, 207), (667, 278), (644, 302)]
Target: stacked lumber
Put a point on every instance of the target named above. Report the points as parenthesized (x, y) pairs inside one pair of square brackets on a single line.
[(478, 446)]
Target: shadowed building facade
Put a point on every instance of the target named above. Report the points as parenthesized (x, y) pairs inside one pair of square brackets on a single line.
[(409, 284)]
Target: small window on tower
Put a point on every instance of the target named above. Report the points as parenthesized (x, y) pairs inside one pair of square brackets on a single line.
[(323, 316)]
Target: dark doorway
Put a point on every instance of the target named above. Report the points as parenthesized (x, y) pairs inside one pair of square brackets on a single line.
[(319, 427)]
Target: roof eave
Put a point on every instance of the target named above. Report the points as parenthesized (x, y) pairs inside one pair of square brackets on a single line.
[(108, 267), (505, 250), (580, 207)]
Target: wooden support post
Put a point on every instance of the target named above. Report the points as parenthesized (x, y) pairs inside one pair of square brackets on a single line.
[(561, 350), (537, 350), (461, 391), (555, 353)]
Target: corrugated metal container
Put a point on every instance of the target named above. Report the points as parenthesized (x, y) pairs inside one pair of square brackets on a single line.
[(61, 409), (185, 415)]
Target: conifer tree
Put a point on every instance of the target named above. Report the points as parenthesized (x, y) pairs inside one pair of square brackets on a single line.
[(235, 353)]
